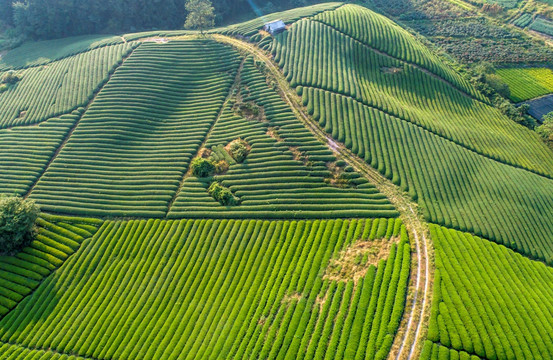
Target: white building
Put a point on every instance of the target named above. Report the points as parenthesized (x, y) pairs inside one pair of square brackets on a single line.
[(275, 27)]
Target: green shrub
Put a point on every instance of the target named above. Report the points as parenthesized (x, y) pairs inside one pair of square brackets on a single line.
[(10, 77), (202, 167), (239, 149), (222, 194), (17, 222), (3, 87)]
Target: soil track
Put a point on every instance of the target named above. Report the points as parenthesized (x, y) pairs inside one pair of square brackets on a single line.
[(409, 339)]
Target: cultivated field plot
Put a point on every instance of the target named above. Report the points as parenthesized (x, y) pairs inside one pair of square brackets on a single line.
[(36, 53), (133, 145), (56, 240), (481, 301), (221, 288), (454, 185), (527, 83), (288, 173), (542, 25), (25, 151), (59, 87), (396, 87)]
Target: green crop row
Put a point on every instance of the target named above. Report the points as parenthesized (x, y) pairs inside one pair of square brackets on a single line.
[(432, 351), (523, 20), (313, 54), (59, 87), (456, 187), (488, 300), (272, 178), (133, 145), (381, 33), (21, 273), (219, 288), (25, 151), (542, 25), (527, 83), (36, 53)]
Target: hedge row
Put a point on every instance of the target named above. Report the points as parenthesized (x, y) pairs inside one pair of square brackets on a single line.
[(59, 87), (456, 187), (488, 300), (218, 288), (22, 273), (272, 178), (315, 55), (132, 147)]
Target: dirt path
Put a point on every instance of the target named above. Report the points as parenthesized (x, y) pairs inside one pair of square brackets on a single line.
[(409, 338)]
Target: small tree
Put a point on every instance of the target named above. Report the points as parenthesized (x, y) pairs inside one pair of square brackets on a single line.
[(202, 167), (17, 222), (200, 15), (238, 149), (546, 129)]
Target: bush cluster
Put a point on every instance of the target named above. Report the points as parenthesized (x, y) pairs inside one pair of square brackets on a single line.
[(239, 149), (222, 194), (17, 222), (202, 167)]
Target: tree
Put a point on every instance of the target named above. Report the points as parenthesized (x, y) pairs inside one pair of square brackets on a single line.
[(546, 129), (200, 15), (202, 167), (17, 222)]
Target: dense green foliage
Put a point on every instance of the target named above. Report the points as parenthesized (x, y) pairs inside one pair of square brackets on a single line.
[(488, 300), (397, 88), (17, 222), (222, 194), (56, 239), (238, 149), (546, 129), (285, 173), (60, 87), (527, 83), (233, 289), (202, 167), (47, 19), (200, 15), (135, 142)]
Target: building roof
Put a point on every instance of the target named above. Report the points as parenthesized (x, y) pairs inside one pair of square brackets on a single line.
[(275, 25)]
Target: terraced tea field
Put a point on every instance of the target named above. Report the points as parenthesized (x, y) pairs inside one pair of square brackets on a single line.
[(336, 191), (269, 289), (527, 83)]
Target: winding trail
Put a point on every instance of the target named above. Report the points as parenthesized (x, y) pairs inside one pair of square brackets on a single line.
[(409, 339)]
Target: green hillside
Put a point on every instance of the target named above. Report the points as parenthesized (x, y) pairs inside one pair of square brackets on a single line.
[(334, 191)]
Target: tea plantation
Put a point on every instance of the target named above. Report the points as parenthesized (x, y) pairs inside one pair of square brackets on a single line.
[(334, 191)]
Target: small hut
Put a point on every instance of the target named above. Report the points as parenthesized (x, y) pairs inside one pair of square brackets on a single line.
[(275, 27)]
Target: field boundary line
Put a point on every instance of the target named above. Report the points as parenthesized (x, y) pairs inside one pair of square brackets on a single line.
[(406, 340), (77, 122), (188, 171)]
